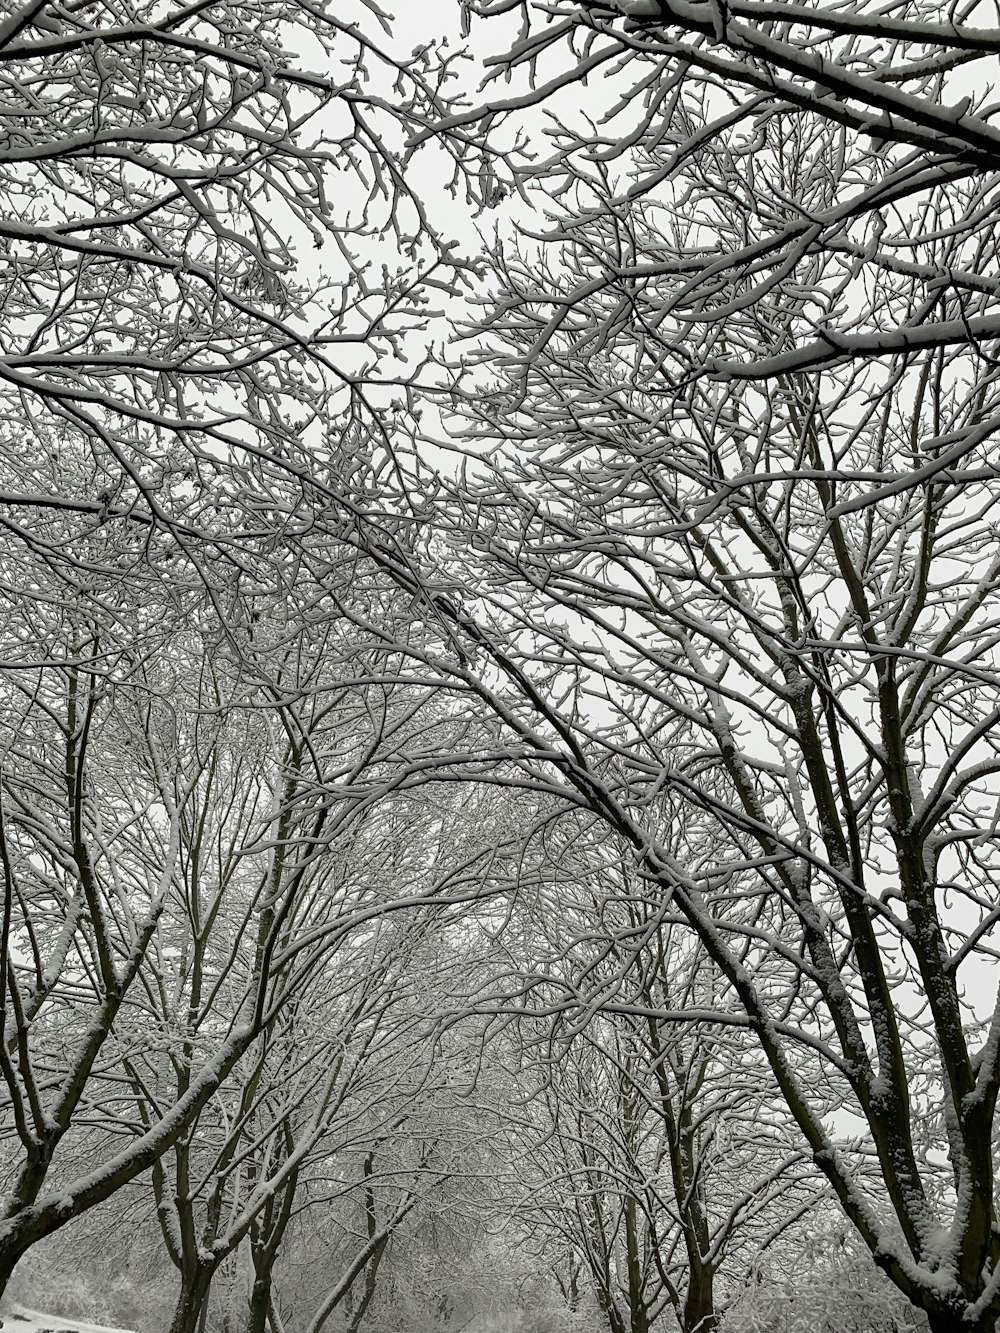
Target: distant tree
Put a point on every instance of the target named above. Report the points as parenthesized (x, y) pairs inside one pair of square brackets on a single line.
[(177, 817), (322, 1084), (658, 1155)]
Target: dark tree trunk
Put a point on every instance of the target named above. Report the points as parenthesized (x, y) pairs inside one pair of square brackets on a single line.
[(638, 1311), (17, 1243), (192, 1305), (610, 1311), (9, 1260), (260, 1300), (948, 1321), (700, 1315)]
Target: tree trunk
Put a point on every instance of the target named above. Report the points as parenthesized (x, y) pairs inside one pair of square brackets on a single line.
[(9, 1260), (949, 1321), (16, 1244), (638, 1311), (607, 1305), (260, 1300), (700, 1315), (196, 1283)]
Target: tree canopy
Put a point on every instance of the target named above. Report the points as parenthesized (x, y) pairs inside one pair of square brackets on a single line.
[(503, 728)]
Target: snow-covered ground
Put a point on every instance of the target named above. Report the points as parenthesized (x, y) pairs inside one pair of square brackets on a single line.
[(19, 1319)]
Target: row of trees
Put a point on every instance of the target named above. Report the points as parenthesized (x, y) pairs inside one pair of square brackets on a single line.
[(607, 705), (247, 946), (223, 920), (218, 907)]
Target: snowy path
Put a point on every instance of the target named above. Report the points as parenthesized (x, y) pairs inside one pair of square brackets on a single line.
[(18, 1319)]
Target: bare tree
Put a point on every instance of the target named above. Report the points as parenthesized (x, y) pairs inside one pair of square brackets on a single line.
[(834, 163), (658, 1152), (690, 608), (166, 174), (721, 558), (350, 1064), (175, 821), (728, 513), (309, 1091)]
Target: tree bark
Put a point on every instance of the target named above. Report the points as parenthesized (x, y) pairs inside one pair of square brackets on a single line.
[(638, 1312), (700, 1315), (260, 1301), (8, 1262), (196, 1282), (949, 1321)]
